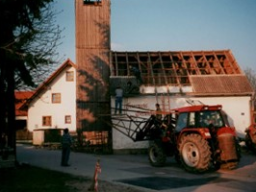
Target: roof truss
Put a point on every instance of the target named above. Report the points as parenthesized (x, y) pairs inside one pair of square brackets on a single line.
[(174, 68)]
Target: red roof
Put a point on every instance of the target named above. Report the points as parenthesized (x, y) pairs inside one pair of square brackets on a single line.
[(20, 98), (52, 77), (221, 84)]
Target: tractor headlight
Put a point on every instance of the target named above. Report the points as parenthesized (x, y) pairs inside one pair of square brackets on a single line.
[(207, 134)]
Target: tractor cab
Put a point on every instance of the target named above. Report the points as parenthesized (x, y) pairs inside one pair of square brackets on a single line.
[(202, 119)]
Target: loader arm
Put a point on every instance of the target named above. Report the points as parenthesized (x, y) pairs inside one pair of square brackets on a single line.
[(134, 127)]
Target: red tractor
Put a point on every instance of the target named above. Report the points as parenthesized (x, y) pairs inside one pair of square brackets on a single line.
[(199, 137)]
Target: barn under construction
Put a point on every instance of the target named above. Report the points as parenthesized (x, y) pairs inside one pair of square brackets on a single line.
[(180, 78), (166, 76)]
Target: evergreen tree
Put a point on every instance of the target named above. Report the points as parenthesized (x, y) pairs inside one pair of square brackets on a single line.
[(28, 41)]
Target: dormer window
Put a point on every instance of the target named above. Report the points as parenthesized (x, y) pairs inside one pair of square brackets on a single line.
[(92, 2)]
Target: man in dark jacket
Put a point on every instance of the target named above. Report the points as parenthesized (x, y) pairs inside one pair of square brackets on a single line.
[(66, 144)]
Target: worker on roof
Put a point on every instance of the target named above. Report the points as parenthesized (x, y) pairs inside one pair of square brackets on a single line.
[(136, 72)]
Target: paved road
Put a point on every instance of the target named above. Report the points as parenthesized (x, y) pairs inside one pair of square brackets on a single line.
[(135, 170)]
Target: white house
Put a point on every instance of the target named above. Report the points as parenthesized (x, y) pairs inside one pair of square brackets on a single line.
[(53, 105)]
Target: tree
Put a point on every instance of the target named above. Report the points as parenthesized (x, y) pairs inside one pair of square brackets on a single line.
[(28, 42), (251, 75)]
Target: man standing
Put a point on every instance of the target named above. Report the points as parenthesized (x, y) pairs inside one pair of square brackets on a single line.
[(158, 112), (119, 100), (66, 144)]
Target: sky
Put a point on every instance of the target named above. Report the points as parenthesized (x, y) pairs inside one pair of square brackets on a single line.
[(173, 25)]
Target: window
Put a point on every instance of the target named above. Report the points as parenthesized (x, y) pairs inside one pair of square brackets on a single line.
[(70, 76), (56, 98), (192, 119), (68, 119), (47, 121), (211, 118), (93, 2), (182, 121)]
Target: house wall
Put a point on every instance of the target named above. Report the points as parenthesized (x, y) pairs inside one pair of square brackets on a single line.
[(237, 108), (43, 106)]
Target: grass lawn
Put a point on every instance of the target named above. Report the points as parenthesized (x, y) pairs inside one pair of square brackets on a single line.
[(33, 179)]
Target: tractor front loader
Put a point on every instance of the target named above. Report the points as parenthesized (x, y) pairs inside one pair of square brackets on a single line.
[(199, 137)]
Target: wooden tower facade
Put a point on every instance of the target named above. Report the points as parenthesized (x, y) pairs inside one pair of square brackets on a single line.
[(93, 62)]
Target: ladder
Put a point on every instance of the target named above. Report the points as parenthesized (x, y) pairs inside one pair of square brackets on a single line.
[(164, 100)]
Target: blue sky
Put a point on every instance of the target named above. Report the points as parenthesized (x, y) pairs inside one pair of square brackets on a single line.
[(174, 25)]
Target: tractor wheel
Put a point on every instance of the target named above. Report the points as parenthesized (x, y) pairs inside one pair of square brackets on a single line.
[(156, 155), (249, 143), (195, 153)]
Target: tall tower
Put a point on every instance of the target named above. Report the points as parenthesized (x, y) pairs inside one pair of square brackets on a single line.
[(93, 62)]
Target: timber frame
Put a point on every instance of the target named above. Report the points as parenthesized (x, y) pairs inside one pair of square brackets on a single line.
[(174, 68)]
